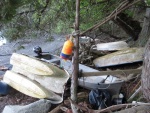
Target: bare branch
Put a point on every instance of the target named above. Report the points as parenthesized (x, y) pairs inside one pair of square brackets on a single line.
[(112, 15), (47, 2), (25, 12)]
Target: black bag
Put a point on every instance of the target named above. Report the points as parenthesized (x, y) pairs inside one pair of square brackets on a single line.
[(99, 99)]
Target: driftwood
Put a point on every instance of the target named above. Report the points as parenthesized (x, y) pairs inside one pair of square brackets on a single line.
[(109, 109), (120, 106), (135, 93), (132, 92)]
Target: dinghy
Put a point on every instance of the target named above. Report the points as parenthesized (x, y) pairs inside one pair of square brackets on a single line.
[(124, 56), (29, 87), (34, 65), (36, 78), (53, 83), (111, 46)]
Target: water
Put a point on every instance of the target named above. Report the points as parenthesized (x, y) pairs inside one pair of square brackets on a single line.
[(2, 40)]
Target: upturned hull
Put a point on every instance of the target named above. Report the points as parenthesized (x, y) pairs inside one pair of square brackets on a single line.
[(125, 56)]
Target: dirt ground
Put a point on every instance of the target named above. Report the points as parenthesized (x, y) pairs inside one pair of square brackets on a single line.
[(15, 98)]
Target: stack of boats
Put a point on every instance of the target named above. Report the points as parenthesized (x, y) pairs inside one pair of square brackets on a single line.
[(45, 76), (36, 78), (123, 54)]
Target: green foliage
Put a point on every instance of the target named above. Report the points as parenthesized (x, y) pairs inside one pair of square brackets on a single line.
[(129, 13), (62, 28), (148, 2), (8, 9), (23, 17), (11, 34)]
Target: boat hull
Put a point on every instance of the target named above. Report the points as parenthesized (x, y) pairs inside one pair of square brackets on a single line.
[(125, 56), (53, 83), (29, 87), (34, 65), (111, 46)]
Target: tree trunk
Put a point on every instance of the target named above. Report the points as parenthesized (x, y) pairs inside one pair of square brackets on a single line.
[(75, 60), (146, 72), (145, 33), (146, 63)]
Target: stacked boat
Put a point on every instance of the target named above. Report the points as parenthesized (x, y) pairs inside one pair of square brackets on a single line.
[(36, 78)]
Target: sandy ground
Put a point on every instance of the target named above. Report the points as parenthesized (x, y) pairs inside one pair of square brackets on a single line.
[(28, 44)]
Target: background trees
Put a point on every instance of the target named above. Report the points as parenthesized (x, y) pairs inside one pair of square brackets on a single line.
[(31, 18)]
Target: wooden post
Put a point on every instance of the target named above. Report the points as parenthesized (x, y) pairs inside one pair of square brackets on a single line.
[(74, 81)]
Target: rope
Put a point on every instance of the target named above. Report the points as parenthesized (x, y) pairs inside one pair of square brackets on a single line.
[(75, 33)]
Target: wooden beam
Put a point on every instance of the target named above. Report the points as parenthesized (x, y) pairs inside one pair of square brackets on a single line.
[(115, 73)]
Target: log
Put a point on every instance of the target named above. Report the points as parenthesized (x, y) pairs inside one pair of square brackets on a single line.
[(117, 107), (111, 108)]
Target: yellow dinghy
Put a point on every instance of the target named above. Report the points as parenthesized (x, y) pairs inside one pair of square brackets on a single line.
[(34, 65), (29, 87)]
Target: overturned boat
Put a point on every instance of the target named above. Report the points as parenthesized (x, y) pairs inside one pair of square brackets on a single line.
[(36, 78), (124, 56), (111, 46), (30, 87)]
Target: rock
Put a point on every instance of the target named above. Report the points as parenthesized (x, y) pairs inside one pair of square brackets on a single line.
[(41, 106)]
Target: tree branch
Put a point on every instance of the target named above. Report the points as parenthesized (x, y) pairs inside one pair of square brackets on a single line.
[(108, 109), (44, 8), (112, 15), (25, 12)]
